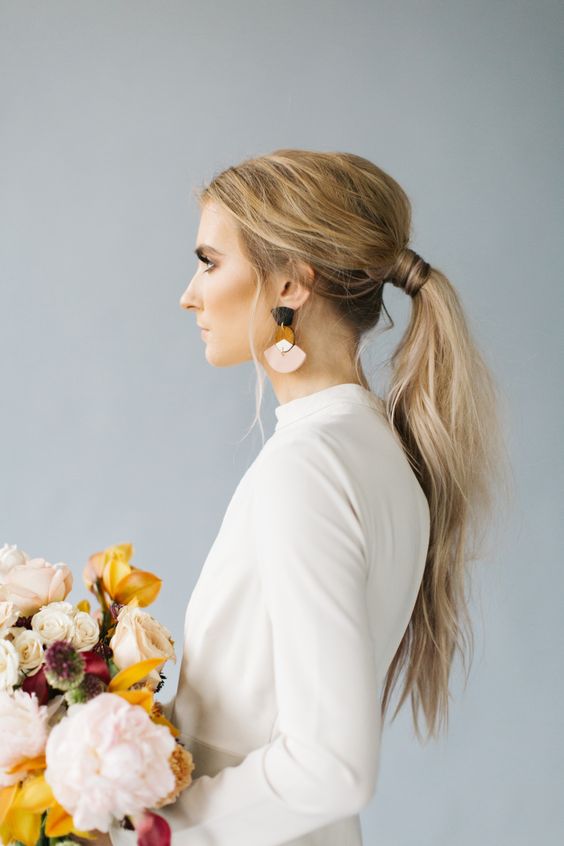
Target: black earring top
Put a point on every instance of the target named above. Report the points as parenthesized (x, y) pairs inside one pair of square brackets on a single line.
[(283, 315)]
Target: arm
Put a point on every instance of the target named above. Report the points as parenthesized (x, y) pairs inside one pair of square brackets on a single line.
[(322, 765)]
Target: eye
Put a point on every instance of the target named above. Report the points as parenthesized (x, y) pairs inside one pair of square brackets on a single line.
[(205, 260)]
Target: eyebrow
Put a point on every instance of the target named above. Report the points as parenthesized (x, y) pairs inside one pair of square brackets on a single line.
[(207, 248)]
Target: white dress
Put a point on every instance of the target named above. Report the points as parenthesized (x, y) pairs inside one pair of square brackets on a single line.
[(297, 613)]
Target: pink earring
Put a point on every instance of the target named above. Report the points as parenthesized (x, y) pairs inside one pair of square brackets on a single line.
[(284, 356)]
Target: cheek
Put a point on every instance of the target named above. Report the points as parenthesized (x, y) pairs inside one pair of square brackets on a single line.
[(229, 301), (229, 305)]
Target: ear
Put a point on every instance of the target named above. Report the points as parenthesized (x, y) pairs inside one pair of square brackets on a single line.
[(294, 286)]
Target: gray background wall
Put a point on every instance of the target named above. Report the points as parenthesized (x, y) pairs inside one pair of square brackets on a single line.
[(114, 428)]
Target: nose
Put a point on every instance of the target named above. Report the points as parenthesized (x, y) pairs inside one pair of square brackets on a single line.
[(186, 298)]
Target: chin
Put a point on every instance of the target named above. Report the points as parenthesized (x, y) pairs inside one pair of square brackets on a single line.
[(226, 358)]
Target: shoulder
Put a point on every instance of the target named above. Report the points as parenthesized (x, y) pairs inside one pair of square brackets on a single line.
[(304, 474), (304, 505), (350, 467), (355, 448), (308, 453)]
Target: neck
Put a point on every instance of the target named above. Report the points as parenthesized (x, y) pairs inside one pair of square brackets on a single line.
[(289, 386)]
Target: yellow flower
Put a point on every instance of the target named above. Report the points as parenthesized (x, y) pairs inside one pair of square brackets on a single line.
[(121, 581)]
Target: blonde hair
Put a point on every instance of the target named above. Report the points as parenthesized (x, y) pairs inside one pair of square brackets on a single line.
[(351, 222)]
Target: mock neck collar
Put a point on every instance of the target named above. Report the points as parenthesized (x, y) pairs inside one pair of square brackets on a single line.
[(303, 406)]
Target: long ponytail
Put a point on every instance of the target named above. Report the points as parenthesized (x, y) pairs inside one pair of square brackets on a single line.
[(443, 403)]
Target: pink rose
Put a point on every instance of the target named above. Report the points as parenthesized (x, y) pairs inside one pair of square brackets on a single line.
[(36, 583), (10, 556)]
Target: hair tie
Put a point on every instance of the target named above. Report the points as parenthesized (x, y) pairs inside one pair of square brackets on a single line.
[(411, 272)]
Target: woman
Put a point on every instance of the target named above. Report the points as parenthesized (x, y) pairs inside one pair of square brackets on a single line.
[(342, 556)]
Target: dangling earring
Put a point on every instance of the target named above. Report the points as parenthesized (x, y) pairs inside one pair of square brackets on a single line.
[(284, 356)]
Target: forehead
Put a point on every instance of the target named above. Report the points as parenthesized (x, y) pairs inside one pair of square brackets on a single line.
[(217, 228)]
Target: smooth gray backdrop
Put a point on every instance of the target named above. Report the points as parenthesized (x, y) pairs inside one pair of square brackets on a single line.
[(113, 426)]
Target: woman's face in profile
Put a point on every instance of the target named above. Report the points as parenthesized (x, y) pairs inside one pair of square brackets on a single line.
[(222, 291)]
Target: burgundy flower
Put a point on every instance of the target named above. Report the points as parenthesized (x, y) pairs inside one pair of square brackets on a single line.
[(64, 666)]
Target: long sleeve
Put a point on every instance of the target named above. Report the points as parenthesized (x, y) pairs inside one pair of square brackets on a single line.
[(322, 763)]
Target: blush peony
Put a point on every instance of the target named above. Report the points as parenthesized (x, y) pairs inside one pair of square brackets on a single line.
[(106, 759), (23, 731)]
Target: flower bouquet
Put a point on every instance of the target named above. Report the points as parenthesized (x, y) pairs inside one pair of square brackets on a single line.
[(83, 743)]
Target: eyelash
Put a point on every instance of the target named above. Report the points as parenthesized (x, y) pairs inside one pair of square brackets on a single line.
[(205, 259)]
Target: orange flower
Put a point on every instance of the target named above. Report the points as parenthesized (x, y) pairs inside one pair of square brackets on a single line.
[(182, 765)]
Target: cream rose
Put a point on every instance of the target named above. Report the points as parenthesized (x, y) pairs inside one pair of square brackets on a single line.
[(86, 631), (23, 731), (139, 636), (29, 646), (9, 666), (36, 583), (9, 614), (10, 556), (54, 622), (62, 605)]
